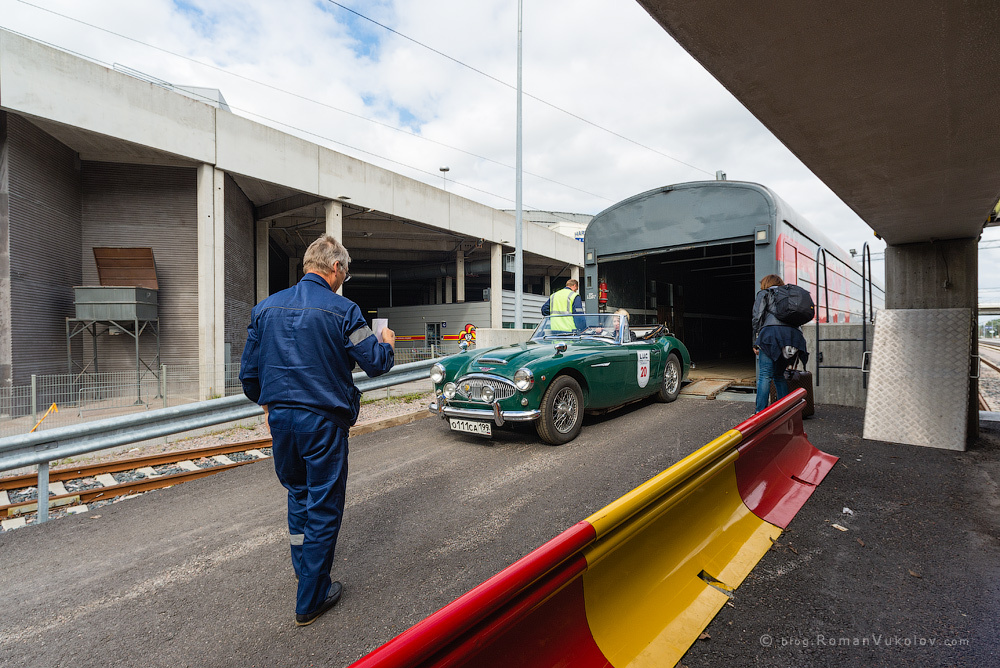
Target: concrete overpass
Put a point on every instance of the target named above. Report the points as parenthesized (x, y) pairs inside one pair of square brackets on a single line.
[(890, 104), (94, 157)]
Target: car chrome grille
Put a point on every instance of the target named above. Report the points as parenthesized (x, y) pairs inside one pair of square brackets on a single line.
[(472, 388)]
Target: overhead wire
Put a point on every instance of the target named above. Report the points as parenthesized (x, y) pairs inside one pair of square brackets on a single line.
[(301, 97), (526, 94)]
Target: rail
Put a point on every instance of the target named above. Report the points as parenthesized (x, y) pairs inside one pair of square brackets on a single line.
[(867, 312), (41, 448)]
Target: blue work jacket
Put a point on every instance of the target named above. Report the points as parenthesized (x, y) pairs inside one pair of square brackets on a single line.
[(301, 347)]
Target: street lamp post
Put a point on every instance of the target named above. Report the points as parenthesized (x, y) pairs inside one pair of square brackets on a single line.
[(518, 218), (444, 176)]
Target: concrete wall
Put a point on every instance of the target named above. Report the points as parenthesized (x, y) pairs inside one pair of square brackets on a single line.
[(5, 338), (840, 387), (941, 274), (149, 206), (241, 268), (412, 320), (491, 338), (44, 245)]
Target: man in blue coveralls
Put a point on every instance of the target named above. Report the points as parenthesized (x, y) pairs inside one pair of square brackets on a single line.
[(301, 346)]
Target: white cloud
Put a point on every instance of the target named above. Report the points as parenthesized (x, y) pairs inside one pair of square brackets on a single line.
[(604, 60)]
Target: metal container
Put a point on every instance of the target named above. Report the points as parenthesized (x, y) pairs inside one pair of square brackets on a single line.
[(115, 303)]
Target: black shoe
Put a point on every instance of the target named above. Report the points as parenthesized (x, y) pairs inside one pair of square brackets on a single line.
[(336, 589)]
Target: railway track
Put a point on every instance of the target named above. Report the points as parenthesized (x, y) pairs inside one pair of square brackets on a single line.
[(988, 403), (71, 489)]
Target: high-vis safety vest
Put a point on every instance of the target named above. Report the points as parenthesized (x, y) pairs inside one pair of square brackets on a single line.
[(561, 302)]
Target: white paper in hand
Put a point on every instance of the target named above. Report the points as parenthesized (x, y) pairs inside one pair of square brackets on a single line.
[(378, 324)]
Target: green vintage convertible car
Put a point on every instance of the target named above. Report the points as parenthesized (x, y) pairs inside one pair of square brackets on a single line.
[(569, 366)]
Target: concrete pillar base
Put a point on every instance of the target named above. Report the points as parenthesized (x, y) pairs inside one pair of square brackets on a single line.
[(937, 275)]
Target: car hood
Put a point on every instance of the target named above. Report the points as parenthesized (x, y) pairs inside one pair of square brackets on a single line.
[(508, 359)]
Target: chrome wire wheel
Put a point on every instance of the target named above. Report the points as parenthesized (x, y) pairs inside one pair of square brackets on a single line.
[(671, 377), (670, 388), (567, 410), (561, 411)]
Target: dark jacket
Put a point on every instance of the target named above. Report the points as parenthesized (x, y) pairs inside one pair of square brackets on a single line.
[(770, 334), (762, 316), (301, 347)]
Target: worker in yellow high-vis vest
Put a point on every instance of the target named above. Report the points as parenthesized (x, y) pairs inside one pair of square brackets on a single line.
[(562, 306)]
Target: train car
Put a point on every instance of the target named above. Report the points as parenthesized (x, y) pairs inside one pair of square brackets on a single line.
[(692, 255)]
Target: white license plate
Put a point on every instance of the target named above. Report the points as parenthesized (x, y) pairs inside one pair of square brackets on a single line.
[(471, 427)]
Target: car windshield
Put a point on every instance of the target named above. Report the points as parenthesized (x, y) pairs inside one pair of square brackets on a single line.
[(601, 326)]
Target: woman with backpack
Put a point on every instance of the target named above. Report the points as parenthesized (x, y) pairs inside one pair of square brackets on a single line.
[(776, 342)]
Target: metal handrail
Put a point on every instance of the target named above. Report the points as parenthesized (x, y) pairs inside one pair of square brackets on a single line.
[(867, 304), (42, 447)]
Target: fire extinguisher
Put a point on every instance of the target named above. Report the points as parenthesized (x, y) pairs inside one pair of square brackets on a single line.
[(602, 293)]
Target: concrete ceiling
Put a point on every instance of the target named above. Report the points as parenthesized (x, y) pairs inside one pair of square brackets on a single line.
[(891, 103)]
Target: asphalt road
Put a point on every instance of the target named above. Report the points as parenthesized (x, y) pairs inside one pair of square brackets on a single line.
[(198, 575)]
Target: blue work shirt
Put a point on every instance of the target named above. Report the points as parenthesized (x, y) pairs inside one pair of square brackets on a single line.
[(302, 344)]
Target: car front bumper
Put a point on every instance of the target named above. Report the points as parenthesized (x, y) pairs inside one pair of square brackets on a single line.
[(495, 415)]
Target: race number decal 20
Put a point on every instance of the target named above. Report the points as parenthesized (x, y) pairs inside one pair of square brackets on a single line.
[(643, 370)]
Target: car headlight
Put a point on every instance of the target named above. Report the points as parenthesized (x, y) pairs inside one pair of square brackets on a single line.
[(524, 380), (487, 394), (449, 391), (437, 373)]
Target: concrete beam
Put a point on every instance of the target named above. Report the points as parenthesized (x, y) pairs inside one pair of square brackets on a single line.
[(262, 256), (54, 85), (335, 224), (211, 280), (286, 206), (496, 286)]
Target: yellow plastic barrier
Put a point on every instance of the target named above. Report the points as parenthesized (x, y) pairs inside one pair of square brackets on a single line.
[(636, 582)]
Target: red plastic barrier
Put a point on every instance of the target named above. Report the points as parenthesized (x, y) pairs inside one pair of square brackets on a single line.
[(778, 467), (624, 584)]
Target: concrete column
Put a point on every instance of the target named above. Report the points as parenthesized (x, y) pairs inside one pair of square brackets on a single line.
[(574, 273), (448, 288), (335, 224), (937, 275), (211, 280), (496, 286), (460, 277), (293, 270), (263, 260), (547, 285), (437, 291)]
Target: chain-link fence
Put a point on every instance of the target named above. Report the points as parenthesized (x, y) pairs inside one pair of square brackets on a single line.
[(91, 396), (404, 355), (56, 400)]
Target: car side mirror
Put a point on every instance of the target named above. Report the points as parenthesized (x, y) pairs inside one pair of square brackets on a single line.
[(561, 347), (464, 345)]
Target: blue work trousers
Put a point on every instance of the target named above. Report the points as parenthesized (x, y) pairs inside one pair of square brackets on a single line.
[(767, 371), (310, 458)]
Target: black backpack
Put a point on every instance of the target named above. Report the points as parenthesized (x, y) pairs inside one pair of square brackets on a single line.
[(792, 305)]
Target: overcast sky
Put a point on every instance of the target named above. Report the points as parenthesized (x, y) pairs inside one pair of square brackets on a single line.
[(315, 69)]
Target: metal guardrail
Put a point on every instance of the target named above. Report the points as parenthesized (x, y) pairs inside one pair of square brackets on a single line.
[(46, 446)]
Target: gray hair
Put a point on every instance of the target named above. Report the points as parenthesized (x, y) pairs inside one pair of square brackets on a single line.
[(323, 253)]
